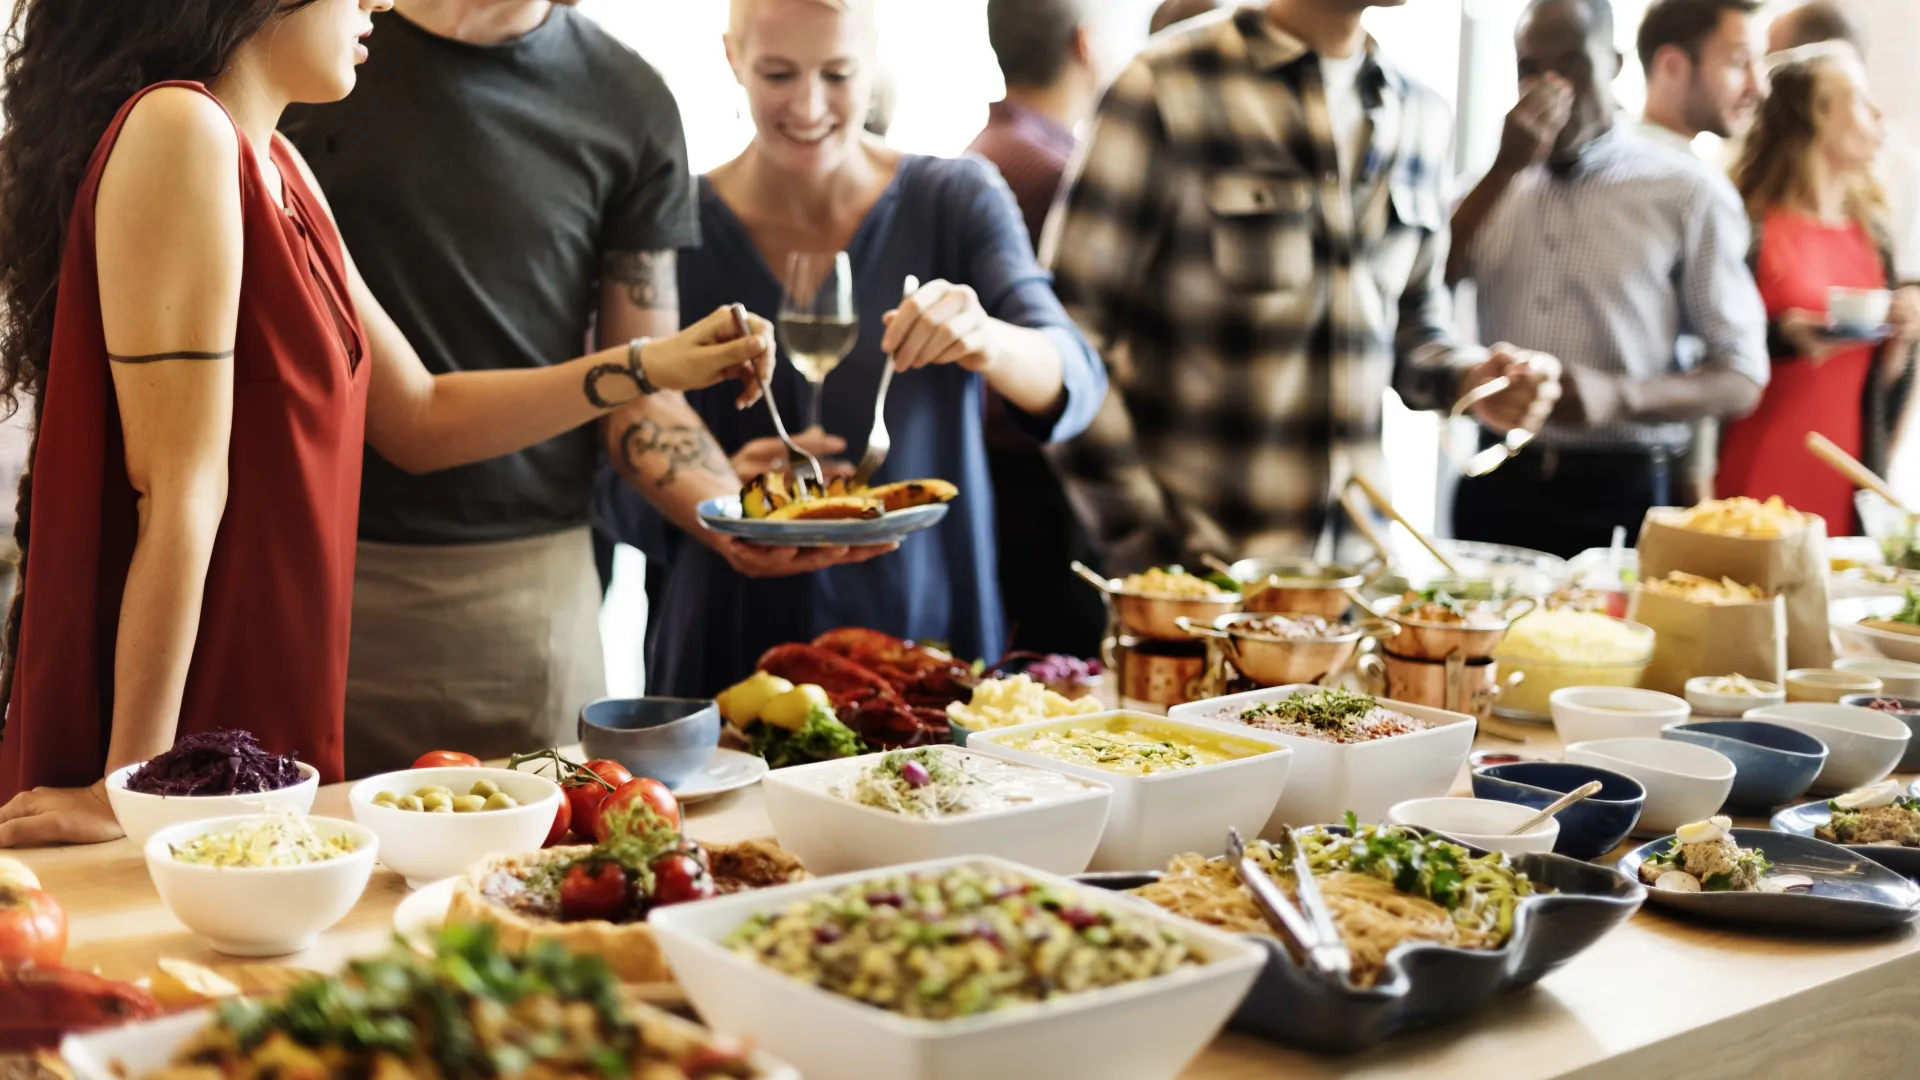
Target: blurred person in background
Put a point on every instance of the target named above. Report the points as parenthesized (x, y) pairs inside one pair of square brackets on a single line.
[(1807, 175), (1049, 57), (1179, 11), (983, 319), (1590, 241), (1254, 239), (513, 181)]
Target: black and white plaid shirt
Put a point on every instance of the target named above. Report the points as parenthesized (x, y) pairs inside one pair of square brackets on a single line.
[(1252, 305)]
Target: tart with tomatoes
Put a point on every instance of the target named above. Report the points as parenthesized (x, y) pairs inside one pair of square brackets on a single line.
[(596, 899)]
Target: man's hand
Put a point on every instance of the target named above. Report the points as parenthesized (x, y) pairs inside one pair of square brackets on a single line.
[(761, 561), (1535, 391), (1535, 123), (762, 456)]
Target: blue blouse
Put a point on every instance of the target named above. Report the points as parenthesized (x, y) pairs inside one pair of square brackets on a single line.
[(951, 219)]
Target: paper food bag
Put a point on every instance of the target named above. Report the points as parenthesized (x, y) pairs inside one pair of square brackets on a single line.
[(1792, 566), (1711, 639)]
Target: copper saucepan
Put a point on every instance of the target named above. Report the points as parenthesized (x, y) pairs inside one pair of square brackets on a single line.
[(1278, 661), (1157, 618), (1422, 640)]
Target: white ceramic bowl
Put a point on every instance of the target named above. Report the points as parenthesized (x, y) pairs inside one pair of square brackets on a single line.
[(1147, 1030), (1586, 713), (260, 911), (1846, 615), (1828, 685), (142, 815), (1708, 705), (1684, 782), (423, 848), (1367, 778), (1487, 824), (1153, 818), (1898, 678), (834, 835), (1863, 746)]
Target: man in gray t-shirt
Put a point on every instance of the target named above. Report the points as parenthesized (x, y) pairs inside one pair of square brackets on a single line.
[(511, 181)]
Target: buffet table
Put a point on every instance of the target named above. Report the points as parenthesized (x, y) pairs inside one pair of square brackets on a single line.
[(1656, 998)]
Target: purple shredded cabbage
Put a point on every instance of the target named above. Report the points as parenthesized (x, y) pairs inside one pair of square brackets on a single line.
[(226, 762)]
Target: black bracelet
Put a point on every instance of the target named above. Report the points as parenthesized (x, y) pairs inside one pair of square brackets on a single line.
[(633, 369)]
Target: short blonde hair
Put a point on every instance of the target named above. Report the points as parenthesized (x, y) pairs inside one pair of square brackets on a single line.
[(740, 12)]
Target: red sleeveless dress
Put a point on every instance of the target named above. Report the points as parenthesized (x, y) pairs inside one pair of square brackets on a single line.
[(271, 654)]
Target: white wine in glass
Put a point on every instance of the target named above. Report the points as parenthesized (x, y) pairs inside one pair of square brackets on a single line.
[(818, 322)]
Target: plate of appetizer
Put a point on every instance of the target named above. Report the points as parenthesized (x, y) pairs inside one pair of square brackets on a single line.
[(769, 511), (1886, 626), (1881, 822), (1433, 930), (1763, 878)]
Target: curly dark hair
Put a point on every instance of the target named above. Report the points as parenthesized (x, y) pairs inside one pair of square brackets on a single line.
[(70, 65)]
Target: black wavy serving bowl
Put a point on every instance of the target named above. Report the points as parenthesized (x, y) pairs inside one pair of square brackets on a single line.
[(1423, 984)]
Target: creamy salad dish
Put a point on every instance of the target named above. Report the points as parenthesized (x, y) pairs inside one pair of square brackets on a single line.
[(284, 839), (938, 782)]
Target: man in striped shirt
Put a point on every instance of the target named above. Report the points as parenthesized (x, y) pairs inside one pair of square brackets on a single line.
[(1589, 240), (1254, 238)]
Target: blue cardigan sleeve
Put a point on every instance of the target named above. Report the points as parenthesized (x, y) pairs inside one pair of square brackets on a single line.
[(1014, 289)]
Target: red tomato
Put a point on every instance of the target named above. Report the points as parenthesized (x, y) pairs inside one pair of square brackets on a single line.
[(595, 890), (562, 820), (644, 790), (678, 878), (440, 759), (585, 796), (33, 928)]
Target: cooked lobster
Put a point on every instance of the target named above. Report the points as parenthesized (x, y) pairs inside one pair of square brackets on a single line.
[(847, 683), (925, 677), (39, 1005)]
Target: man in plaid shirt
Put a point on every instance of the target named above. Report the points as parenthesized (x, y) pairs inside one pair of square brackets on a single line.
[(1254, 237)]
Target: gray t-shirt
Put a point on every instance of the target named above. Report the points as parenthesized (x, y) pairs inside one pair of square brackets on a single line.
[(478, 188)]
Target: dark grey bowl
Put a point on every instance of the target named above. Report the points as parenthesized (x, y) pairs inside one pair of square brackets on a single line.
[(1589, 828), (1773, 764), (1909, 715), (1428, 984), (669, 739)]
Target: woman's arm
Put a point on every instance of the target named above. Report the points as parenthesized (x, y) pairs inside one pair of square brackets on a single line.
[(168, 245)]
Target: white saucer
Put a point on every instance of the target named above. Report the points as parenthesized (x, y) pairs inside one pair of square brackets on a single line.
[(730, 770)]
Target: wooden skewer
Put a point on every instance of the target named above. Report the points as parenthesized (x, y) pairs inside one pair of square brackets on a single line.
[(1846, 465), (1379, 500)]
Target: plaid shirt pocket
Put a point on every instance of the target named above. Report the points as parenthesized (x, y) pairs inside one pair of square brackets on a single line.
[(1262, 229)]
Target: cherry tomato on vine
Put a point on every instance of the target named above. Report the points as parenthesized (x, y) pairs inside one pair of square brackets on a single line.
[(33, 927), (585, 796), (562, 821), (594, 890), (644, 791)]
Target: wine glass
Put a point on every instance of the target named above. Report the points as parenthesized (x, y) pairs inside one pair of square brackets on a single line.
[(818, 322)]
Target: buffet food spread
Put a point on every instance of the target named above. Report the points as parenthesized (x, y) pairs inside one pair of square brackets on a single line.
[(964, 866)]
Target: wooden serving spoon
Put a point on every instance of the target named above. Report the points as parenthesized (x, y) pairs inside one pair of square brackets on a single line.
[(1848, 466)]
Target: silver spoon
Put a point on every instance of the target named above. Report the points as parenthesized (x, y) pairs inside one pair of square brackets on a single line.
[(1585, 791)]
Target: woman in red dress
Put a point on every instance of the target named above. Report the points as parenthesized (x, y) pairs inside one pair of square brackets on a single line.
[(1806, 173), (206, 365)]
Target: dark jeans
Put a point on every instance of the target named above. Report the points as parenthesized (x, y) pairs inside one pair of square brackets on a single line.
[(1563, 502), (1049, 609)]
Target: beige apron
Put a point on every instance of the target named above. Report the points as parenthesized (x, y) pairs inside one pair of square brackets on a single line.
[(486, 648)]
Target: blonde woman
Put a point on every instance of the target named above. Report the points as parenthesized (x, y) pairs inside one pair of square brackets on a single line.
[(1806, 173), (813, 181)]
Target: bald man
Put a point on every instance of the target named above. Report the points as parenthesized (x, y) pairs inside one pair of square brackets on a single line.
[(1175, 11)]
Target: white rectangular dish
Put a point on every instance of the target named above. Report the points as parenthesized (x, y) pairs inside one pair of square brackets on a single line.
[(1155, 817), (1147, 1030), (832, 834), (1367, 778)]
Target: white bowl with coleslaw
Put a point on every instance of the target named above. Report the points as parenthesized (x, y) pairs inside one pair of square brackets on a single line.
[(1552, 650)]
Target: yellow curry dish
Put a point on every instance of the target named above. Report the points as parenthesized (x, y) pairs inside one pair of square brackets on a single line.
[(1126, 750)]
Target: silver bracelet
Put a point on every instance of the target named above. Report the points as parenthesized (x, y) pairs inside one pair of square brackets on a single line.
[(632, 369), (647, 389)]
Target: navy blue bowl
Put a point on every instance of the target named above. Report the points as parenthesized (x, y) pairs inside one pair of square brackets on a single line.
[(668, 739), (1589, 828), (1909, 715), (1773, 764)]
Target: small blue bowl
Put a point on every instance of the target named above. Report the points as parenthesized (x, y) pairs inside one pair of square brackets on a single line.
[(1589, 828), (1909, 715), (1773, 764), (668, 739)]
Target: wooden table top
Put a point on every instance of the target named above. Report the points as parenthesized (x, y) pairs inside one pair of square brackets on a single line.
[(1655, 998)]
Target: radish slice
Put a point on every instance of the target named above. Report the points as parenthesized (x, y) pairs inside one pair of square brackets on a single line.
[(1677, 881)]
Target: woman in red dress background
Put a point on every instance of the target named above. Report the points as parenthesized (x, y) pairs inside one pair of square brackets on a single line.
[(206, 366), (1819, 217)]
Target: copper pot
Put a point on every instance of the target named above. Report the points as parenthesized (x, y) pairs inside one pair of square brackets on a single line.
[(1276, 661), (1456, 684), (1157, 617), (1420, 640), (1160, 673), (1301, 586)]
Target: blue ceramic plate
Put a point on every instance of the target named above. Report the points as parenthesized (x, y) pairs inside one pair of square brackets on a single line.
[(724, 516), (1425, 985), (1803, 819), (1850, 332), (1850, 891)]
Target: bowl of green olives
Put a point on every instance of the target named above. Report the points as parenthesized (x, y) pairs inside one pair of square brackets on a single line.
[(434, 823)]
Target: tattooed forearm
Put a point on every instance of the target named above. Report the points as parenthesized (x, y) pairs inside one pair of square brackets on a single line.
[(647, 277), (154, 358), (680, 446), (631, 370)]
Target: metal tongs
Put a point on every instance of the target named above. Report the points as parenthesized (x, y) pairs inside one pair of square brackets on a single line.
[(1486, 461), (796, 457), (1311, 937)]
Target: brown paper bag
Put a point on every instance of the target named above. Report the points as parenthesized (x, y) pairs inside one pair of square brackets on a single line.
[(1711, 639), (1793, 567)]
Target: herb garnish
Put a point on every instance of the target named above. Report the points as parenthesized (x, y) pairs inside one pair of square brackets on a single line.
[(1337, 711)]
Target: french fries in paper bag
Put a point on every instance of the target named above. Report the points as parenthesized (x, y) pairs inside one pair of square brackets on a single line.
[(1779, 550), (1746, 638)]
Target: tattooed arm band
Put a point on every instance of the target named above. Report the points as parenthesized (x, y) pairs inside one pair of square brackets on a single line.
[(633, 369), (154, 358)]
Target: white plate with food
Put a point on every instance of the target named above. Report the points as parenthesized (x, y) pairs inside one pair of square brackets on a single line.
[(730, 770), (1886, 626)]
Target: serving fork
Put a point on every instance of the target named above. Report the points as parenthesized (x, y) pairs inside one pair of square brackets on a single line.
[(796, 457), (879, 442)]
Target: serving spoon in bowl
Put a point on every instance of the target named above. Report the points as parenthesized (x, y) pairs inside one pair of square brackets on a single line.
[(1585, 791)]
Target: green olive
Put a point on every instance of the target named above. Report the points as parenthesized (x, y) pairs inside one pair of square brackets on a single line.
[(435, 789), (467, 804), (385, 798), (409, 802), (500, 800), (440, 808), (484, 788), (435, 800)]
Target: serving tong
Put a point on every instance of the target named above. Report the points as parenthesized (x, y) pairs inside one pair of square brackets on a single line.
[(796, 457), (879, 442), (1311, 937)]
